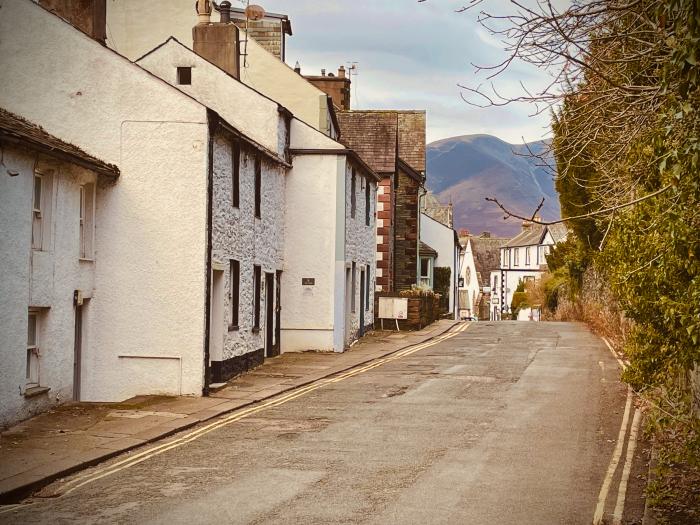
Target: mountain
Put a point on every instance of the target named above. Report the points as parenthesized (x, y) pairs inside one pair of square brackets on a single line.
[(464, 170)]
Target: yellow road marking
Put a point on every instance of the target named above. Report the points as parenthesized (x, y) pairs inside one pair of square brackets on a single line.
[(237, 416), (622, 490)]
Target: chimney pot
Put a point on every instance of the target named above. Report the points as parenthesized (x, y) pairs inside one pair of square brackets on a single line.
[(297, 68), (225, 10), (323, 72), (203, 8), (341, 72)]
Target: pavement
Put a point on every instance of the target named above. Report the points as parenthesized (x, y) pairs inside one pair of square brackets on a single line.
[(75, 436), (508, 423)]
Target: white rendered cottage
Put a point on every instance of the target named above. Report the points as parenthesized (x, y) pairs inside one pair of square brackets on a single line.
[(469, 286), (523, 258), (144, 324), (48, 197)]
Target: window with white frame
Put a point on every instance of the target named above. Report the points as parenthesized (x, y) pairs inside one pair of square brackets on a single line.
[(425, 280), (41, 210), (87, 220), (527, 256), (516, 257), (33, 349)]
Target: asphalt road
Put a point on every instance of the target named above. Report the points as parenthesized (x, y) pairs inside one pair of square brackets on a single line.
[(504, 423)]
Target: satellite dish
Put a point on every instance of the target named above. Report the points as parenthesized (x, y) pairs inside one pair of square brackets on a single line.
[(254, 12)]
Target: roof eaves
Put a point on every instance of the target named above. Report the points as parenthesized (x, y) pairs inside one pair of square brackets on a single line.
[(271, 155)]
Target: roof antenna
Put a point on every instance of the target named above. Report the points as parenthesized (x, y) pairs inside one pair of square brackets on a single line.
[(252, 12), (353, 70)]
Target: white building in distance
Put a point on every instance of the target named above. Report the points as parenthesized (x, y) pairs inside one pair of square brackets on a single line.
[(523, 258)]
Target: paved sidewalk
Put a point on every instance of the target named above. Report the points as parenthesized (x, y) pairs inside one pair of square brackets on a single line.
[(75, 436)]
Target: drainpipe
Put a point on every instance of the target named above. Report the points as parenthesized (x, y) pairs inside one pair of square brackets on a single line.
[(212, 120)]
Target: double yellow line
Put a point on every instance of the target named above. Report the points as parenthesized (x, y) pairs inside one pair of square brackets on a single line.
[(135, 459)]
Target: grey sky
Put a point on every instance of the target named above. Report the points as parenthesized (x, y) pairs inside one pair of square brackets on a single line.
[(411, 56)]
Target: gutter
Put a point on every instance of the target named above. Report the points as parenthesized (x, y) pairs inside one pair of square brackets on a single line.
[(339, 151)]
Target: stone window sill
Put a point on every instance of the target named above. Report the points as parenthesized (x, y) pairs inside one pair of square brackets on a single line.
[(34, 391), (233, 328)]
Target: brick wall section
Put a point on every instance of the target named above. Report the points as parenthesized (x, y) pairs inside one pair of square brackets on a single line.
[(385, 235), (406, 232), (266, 33), (422, 311), (337, 88)]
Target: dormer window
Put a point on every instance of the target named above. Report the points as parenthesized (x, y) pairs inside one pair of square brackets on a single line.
[(184, 76)]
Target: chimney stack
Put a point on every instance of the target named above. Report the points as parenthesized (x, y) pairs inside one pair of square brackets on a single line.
[(297, 68), (217, 42), (323, 72), (89, 16), (341, 72), (336, 87)]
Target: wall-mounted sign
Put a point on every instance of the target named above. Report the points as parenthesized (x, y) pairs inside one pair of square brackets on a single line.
[(308, 281)]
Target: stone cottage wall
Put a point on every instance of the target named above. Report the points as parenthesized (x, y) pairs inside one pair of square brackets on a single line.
[(239, 235)]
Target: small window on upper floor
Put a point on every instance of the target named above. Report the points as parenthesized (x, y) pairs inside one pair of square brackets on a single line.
[(87, 221), (41, 210), (184, 76), (353, 194)]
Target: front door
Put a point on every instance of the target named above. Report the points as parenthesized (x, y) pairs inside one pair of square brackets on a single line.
[(77, 346), (362, 303), (278, 312), (269, 314)]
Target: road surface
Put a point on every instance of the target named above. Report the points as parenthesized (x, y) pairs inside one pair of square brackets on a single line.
[(501, 423)]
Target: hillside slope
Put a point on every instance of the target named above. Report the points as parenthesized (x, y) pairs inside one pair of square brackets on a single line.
[(464, 170)]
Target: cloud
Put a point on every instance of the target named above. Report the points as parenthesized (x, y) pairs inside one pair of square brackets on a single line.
[(413, 55)]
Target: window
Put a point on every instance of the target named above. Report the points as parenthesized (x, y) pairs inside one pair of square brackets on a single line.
[(353, 300), (257, 281), (87, 220), (258, 184), (425, 271), (527, 256), (33, 349), (41, 210), (353, 193), (235, 173), (368, 207), (184, 76), (234, 290), (36, 212), (516, 257), (495, 283), (367, 276)]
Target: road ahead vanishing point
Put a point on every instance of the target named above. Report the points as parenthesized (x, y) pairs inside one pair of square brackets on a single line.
[(492, 423)]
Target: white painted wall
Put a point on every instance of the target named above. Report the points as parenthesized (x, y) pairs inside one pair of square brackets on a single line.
[(45, 278), (136, 28), (467, 271), (308, 321), (151, 244), (441, 239), (248, 111), (317, 218)]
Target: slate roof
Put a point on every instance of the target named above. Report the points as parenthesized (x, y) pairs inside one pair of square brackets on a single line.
[(487, 256), (559, 231), (373, 135), (424, 249), (16, 130), (535, 233), (382, 136)]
